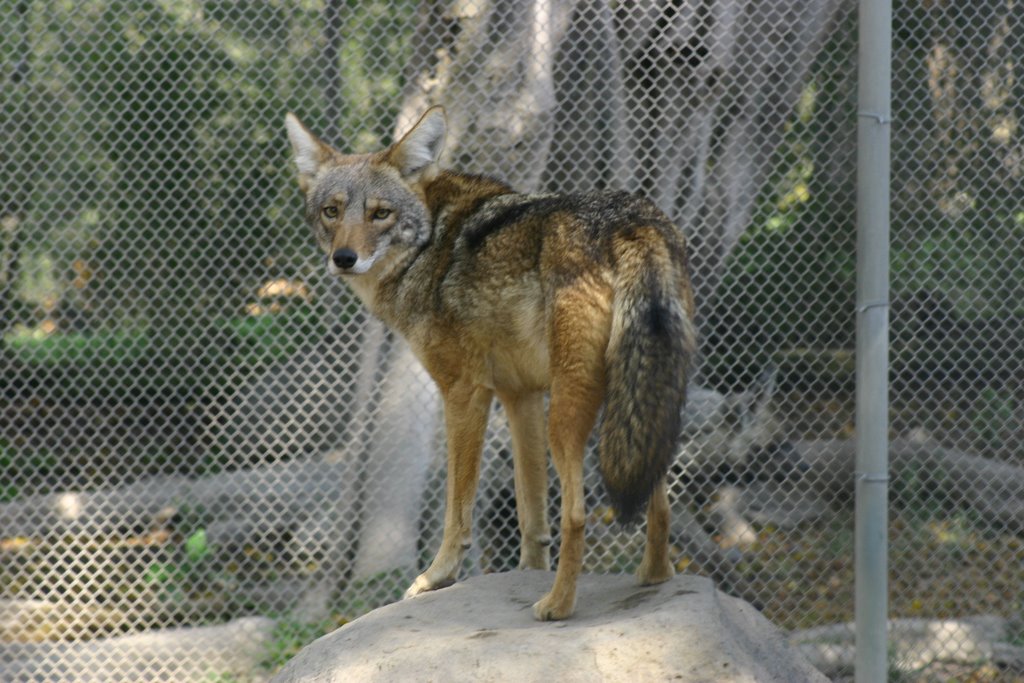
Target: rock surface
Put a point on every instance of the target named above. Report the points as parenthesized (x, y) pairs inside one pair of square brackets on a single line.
[(483, 630), (199, 654)]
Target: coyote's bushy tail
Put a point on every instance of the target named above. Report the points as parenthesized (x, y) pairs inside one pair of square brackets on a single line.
[(648, 360)]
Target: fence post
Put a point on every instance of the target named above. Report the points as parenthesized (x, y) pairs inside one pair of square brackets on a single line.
[(872, 481)]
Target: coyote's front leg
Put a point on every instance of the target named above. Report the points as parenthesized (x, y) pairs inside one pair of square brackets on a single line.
[(465, 412)]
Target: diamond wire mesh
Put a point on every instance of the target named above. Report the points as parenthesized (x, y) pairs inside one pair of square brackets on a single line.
[(198, 427)]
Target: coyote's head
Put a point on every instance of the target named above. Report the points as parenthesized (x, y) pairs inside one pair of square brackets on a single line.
[(360, 205)]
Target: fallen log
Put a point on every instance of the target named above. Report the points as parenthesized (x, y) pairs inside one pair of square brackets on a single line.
[(922, 468), (915, 644), (231, 651), (275, 490)]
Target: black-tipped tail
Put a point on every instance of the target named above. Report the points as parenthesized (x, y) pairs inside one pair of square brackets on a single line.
[(647, 365)]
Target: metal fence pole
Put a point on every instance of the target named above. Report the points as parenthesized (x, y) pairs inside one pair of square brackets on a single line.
[(871, 544)]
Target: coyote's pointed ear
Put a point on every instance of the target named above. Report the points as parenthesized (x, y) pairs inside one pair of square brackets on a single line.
[(421, 147), (310, 151)]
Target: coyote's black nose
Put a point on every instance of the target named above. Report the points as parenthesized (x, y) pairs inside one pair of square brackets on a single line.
[(344, 258)]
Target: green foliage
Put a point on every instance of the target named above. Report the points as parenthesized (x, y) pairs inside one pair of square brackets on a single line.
[(913, 486), (957, 218), (150, 173), (976, 259), (223, 678), (789, 282), (151, 195), (119, 362), (190, 570), (133, 368), (119, 346), (291, 635), (991, 416), (20, 472)]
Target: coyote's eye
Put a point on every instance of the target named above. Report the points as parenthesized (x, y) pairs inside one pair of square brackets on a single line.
[(381, 214), (330, 212)]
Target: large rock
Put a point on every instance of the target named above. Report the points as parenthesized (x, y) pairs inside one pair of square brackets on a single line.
[(483, 630)]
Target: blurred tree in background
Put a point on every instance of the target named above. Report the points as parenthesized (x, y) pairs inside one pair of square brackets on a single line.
[(148, 205), (164, 194), (147, 197), (957, 219)]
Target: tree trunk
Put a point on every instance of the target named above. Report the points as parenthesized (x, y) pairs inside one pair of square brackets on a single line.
[(15, 197), (491, 65), (710, 88), (330, 75), (682, 102)]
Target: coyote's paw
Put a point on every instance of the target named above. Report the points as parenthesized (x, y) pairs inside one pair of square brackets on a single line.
[(658, 572), (423, 584), (552, 608)]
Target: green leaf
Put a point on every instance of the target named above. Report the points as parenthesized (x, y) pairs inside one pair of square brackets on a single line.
[(158, 572), (196, 547)]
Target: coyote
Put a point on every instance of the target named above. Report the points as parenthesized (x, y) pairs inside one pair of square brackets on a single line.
[(584, 296)]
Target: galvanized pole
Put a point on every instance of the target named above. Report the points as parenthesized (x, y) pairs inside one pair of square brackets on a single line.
[(872, 480)]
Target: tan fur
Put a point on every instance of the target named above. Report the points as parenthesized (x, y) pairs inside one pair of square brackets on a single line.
[(510, 295)]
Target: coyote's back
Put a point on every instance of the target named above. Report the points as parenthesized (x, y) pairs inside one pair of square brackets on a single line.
[(586, 296)]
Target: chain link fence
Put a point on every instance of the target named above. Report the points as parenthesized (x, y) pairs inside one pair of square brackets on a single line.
[(209, 455)]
